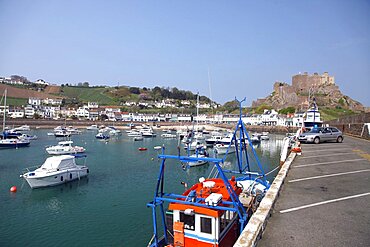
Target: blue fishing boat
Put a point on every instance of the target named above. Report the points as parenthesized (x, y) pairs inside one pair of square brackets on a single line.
[(214, 211)]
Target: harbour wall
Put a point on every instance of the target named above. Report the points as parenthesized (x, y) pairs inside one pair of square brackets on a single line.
[(356, 125), (252, 233)]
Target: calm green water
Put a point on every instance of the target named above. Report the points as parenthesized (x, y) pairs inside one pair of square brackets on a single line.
[(106, 209)]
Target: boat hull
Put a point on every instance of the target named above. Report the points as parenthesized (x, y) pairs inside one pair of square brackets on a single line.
[(56, 178), (14, 145)]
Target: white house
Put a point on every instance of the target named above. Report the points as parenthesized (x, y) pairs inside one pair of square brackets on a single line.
[(34, 101), (50, 111), (41, 82), (91, 105), (83, 112), (254, 119), (16, 113), (55, 101), (29, 111)]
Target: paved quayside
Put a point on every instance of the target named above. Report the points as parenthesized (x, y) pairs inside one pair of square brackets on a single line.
[(325, 200)]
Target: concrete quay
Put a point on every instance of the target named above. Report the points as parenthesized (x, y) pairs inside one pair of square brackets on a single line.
[(325, 199)]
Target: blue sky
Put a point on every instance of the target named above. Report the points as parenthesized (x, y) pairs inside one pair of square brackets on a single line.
[(247, 45)]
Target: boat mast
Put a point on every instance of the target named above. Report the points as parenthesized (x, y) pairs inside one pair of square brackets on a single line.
[(4, 109), (197, 111), (209, 86)]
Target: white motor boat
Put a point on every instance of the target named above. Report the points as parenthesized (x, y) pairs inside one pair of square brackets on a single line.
[(114, 131), (55, 170), (265, 136), (168, 135), (62, 133), (199, 153), (22, 128), (256, 138), (138, 138), (73, 131), (214, 139), (65, 147), (221, 148), (102, 136), (134, 133), (28, 137), (92, 127), (148, 132), (194, 145)]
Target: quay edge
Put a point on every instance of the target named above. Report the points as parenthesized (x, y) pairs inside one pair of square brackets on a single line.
[(257, 223)]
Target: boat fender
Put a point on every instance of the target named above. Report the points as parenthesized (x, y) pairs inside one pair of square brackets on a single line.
[(13, 189)]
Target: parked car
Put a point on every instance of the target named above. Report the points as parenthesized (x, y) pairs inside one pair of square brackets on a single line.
[(322, 134)]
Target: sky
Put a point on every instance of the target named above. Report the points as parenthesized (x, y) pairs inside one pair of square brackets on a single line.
[(221, 49)]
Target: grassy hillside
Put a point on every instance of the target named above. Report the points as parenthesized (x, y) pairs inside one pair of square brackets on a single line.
[(86, 94), (328, 114), (16, 101)]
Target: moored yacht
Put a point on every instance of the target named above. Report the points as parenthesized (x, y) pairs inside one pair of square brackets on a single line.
[(55, 170), (64, 147)]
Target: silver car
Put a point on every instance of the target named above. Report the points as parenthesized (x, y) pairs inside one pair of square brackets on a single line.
[(322, 134)]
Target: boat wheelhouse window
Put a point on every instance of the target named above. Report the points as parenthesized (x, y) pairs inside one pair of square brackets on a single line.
[(206, 225), (61, 178), (189, 221)]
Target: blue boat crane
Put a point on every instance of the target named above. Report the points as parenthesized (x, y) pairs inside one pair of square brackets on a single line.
[(160, 196)]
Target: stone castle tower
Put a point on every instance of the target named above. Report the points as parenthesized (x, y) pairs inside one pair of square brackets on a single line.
[(305, 81)]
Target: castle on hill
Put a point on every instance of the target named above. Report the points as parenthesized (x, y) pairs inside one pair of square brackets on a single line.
[(297, 94)]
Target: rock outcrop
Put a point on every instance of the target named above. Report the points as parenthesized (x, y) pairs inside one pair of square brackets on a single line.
[(304, 86)]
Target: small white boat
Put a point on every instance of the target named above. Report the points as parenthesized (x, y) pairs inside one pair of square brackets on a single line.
[(214, 139), (147, 132), (73, 131), (221, 148), (22, 128), (113, 131), (134, 133), (55, 170), (194, 145), (200, 153), (62, 133), (138, 138), (92, 127), (103, 136), (65, 147), (256, 138), (265, 136), (168, 135), (28, 137)]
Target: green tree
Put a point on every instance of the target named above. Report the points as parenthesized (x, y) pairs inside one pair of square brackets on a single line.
[(287, 110)]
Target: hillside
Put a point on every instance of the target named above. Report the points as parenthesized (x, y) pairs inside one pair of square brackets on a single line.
[(24, 93), (103, 95)]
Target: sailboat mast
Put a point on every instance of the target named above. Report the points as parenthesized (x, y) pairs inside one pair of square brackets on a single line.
[(209, 86), (197, 109), (4, 108)]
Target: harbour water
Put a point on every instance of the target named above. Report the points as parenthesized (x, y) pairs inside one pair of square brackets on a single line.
[(106, 209)]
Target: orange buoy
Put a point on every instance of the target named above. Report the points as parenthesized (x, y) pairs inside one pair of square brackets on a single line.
[(297, 150), (143, 149), (13, 189)]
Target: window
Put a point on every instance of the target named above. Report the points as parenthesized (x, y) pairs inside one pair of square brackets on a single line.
[(206, 225), (334, 130), (189, 221)]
